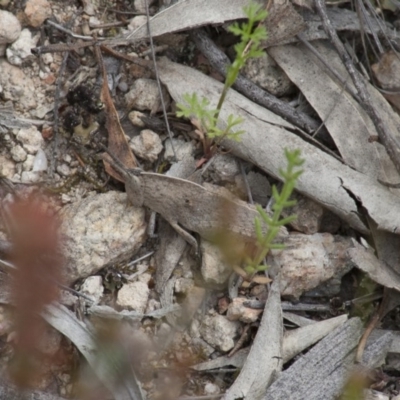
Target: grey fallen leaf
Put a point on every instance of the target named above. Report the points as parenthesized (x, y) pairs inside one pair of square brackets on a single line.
[(188, 14), (376, 351), (264, 359), (343, 20), (107, 370), (263, 144), (395, 344), (323, 371), (298, 319), (377, 270), (103, 311), (237, 360), (294, 342), (344, 119), (348, 124)]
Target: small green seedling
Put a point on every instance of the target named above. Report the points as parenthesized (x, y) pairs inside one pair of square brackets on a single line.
[(265, 242), (251, 33)]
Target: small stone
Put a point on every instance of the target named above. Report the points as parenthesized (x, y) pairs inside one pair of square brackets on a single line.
[(137, 22), (64, 170), (7, 167), (147, 145), (133, 296), (18, 154), (31, 139), (219, 332), (214, 268), (237, 311), (42, 110), (28, 164), (10, 28), (211, 388), (225, 167), (135, 118), (17, 87), (21, 48), (47, 132), (40, 161), (144, 95), (152, 305), (145, 278), (309, 214), (266, 73), (122, 86), (93, 287), (182, 149), (30, 177), (47, 58), (37, 11), (183, 285), (260, 187)]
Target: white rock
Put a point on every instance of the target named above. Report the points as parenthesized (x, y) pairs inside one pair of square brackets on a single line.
[(135, 118), (133, 296), (7, 167), (64, 170), (217, 331), (28, 164), (30, 177), (47, 58), (93, 287), (67, 158), (18, 154), (147, 145), (264, 72), (182, 149), (144, 95), (152, 305), (211, 388), (100, 230), (225, 167), (137, 22), (42, 110), (145, 278), (183, 285), (37, 11), (214, 268), (31, 139), (17, 87), (10, 28), (21, 48), (238, 312), (40, 161)]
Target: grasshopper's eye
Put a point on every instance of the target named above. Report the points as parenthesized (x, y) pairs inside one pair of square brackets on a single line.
[(99, 105)]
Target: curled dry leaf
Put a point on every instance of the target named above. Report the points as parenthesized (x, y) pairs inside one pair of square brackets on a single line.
[(117, 142)]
